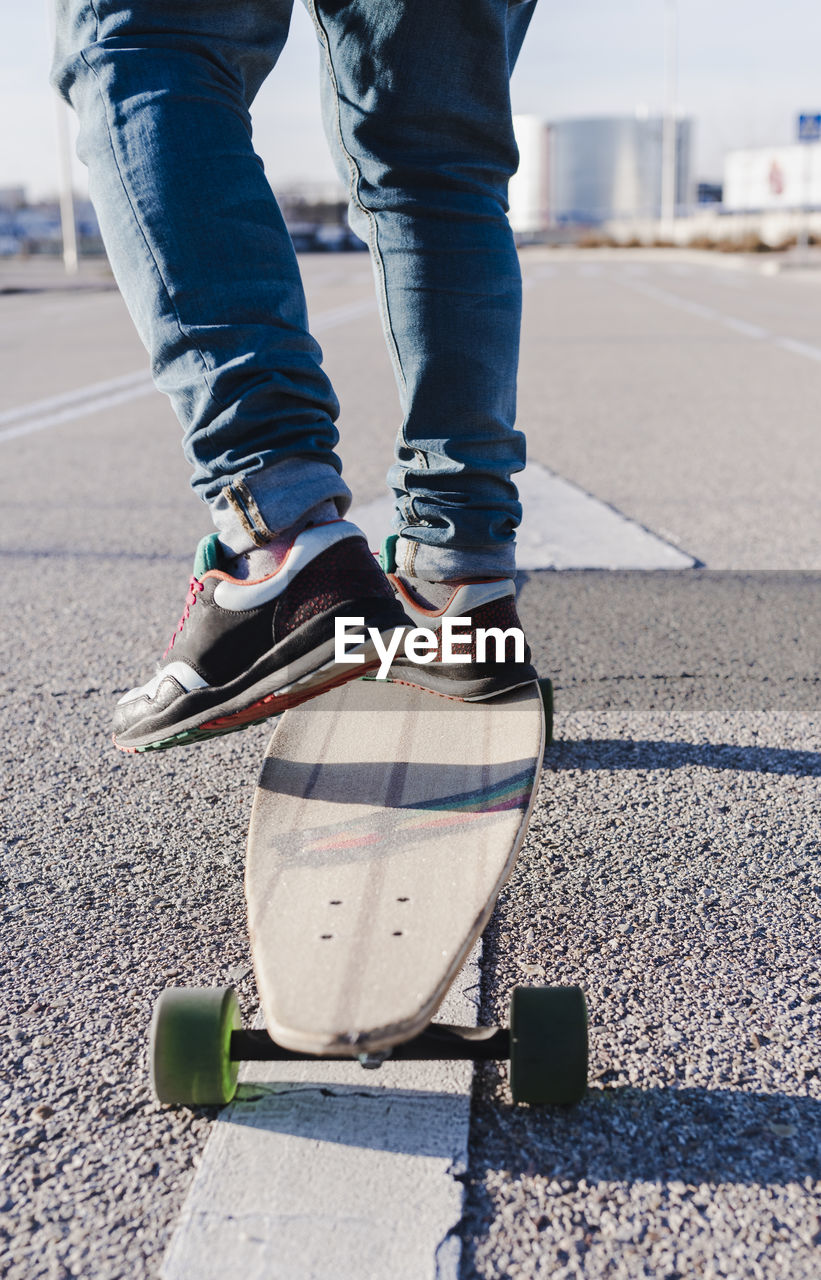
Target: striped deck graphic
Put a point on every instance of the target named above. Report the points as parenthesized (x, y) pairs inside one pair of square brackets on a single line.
[(415, 820)]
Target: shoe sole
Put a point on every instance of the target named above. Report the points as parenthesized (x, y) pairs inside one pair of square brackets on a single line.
[(270, 698), (462, 690)]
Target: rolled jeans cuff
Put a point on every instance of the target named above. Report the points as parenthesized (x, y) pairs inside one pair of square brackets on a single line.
[(446, 564), (250, 511)]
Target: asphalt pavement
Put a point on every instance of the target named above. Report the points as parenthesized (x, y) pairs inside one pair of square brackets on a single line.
[(671, 868)]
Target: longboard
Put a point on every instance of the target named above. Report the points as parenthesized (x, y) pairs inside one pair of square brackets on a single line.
[(386, 820)]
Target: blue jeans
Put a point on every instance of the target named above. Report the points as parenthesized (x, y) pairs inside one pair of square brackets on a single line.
[(417, 110)]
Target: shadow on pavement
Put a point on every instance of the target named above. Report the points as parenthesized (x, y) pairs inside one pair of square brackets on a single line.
[(626, 1135), (616, 754)]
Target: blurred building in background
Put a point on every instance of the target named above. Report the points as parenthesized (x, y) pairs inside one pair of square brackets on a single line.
[(316, 215), (587, 172), (592, 180), (12, 198), (709, 193), (28, 229), (780, 178)]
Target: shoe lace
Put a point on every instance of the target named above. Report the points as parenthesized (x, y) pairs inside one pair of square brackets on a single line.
[(194, 588)]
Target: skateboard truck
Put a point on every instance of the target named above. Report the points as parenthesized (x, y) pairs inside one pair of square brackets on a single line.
[(197, 1042), (439, 1041), (373, 1061)]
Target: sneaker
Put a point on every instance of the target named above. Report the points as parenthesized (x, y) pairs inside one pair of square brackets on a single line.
[(489, 603), (247, 650)]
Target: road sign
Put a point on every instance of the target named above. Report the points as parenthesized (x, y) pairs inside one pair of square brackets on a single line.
[(809, 127)]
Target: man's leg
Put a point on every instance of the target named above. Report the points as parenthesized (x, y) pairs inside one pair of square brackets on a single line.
[(206, 266), (199, 247), (417, 109)]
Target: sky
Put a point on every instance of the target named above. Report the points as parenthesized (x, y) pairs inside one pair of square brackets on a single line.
[(746, 69)]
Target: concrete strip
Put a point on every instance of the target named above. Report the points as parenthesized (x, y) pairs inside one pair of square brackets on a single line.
[(39, 415), (325, 1171), (562, 528)]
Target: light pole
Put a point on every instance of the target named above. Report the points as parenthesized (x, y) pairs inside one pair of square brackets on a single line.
[(669, 148), (67, 220), (809, 133)]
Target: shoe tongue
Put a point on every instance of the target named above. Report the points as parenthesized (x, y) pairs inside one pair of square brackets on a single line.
[(387, 553), (208, 555)]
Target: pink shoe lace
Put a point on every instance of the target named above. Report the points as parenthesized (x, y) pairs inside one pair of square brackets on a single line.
[(194, 588)]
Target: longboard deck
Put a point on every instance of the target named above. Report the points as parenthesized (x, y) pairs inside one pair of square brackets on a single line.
[(385, 822)]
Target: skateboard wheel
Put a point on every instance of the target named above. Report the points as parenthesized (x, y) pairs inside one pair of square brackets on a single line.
[(548, 1045), (546, 691), (190, 1046)]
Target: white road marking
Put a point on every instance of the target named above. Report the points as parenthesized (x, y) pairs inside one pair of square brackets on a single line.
[(754, 331), (79, 411), (90, 392), (799, 348), (675, 300), (744, 326), (562, 528), (325, 1171), (39, 415)]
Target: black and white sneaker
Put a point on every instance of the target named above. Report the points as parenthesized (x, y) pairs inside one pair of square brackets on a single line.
[(247, 650), (486, 669)]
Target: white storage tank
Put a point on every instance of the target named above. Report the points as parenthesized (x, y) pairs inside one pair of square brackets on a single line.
[(529, 194), (607, 167)]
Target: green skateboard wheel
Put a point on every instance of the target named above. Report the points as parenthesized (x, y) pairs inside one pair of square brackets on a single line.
[(190, 1046), (546, 690), (548, 1045)]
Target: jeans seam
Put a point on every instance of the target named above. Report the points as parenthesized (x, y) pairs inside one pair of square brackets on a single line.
[(356, 197), (136, 216), (243, 503)]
